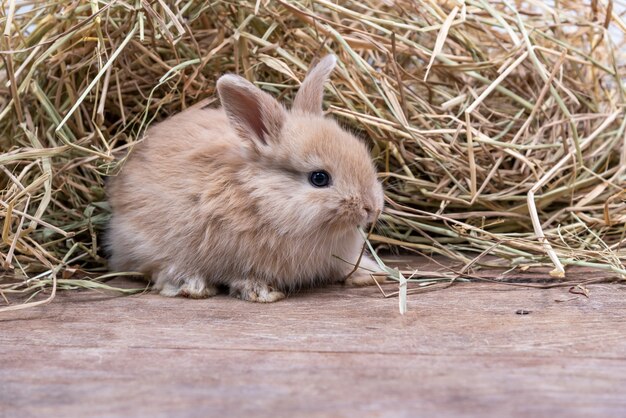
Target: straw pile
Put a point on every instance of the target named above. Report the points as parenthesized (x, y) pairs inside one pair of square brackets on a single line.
[(468, 106)]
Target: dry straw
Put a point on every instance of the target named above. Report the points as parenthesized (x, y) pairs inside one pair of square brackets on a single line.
[(498, 126)]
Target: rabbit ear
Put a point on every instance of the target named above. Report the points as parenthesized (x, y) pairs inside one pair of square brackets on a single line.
[(254, 114), (311, 93)]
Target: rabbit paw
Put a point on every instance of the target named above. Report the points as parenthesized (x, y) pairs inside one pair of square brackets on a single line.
[(363, 276), (359, 279), (255, 291), (193, 287)]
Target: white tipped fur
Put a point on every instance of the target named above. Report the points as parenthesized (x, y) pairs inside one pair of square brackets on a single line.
[(221, 197)]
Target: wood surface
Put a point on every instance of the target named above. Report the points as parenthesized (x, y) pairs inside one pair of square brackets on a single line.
[(332, 352)]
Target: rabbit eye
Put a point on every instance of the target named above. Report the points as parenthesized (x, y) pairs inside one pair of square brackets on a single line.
[(319, 178)]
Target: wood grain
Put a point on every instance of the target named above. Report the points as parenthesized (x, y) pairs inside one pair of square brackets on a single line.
[(333, 352)]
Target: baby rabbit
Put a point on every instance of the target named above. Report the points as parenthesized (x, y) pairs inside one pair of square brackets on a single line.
[(251, 196)]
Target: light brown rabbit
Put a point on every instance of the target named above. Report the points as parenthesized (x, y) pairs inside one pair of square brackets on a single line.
[(251, 196)]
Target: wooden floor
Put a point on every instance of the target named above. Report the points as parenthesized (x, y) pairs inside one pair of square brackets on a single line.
[(335, 352)]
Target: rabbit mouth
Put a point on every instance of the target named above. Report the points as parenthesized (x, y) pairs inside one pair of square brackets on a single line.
[(353, 217)]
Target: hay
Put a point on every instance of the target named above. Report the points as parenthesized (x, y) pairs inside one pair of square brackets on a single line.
[(469, 106)]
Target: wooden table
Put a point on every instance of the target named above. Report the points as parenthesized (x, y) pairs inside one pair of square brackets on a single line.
[(335, 352)]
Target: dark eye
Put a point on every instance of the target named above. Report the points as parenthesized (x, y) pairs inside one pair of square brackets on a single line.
[(319, 178)]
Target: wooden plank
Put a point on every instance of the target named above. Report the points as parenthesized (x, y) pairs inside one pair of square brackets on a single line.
[(330, 352), (468, 318), (155, 382)]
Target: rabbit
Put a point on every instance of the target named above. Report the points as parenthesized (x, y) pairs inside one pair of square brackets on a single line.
[(251, 196)]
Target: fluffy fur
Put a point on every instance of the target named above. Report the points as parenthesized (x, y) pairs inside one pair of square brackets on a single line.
[(221, 197)]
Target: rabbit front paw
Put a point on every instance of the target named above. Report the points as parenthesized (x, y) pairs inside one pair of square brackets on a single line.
[(363, 275), (255, 291), (193, 287), (359, 279)]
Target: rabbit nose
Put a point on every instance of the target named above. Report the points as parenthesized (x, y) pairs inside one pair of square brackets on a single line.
[(369, 213)]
